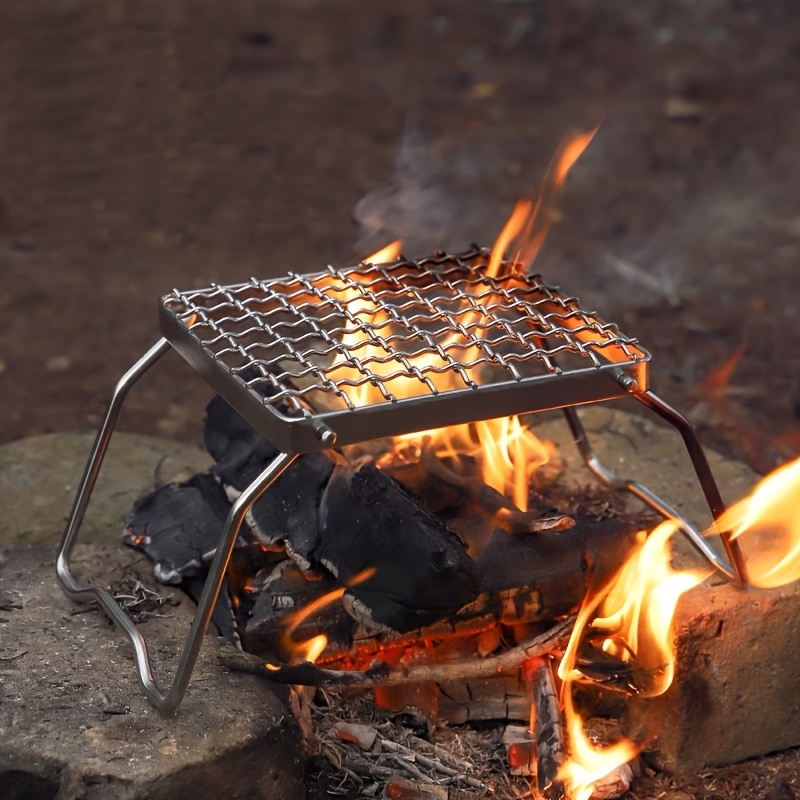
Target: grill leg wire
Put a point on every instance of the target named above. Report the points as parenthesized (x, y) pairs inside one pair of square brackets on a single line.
[(731, 566), (169, 700)]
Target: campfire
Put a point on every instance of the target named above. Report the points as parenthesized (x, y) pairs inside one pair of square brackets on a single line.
[(382, 516)]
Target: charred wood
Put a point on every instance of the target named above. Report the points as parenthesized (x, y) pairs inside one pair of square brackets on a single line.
[(381, 674), (548, 729), (421, 571), (178, 527)]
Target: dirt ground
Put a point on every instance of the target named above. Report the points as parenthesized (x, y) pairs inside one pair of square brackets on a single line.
[(151, 145)]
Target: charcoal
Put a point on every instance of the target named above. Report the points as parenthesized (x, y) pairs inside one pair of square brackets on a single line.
[(179, 526), (280, 592), (289, 510), (422, 572), (222, 615), (240, 453)]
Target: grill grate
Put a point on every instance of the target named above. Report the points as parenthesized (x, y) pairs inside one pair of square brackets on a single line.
[(395, 335)]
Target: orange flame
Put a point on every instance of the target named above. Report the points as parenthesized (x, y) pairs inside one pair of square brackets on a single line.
[(509, 452), (386, 254), (588, 763), (634, 615), (311, 649), (767, 524), (634, 612), (530, 222)]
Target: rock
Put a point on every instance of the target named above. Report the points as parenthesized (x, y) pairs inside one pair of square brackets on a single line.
[(736, 692), (39, 477), (73, 719)]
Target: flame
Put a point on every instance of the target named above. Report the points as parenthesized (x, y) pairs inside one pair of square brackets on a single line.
[(715, 384), (588, 763), (386, 254), (636, 610), (311, 649), (633, 615), (767, 525), (530, 222), (508, 451)]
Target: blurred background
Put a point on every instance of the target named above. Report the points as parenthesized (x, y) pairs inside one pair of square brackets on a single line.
[(152, 145)]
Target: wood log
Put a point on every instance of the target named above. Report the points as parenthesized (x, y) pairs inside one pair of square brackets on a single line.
[(420, 570), (548, 730), (526, 582)]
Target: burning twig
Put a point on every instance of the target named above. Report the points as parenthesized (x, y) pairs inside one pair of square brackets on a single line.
[(380, 674), (547, 727)]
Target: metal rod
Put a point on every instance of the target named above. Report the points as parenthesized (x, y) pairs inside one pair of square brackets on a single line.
[(95, 461), (702, 469), (611, 479), (169, 700)]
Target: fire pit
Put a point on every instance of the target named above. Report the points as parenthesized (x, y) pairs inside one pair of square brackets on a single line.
[(427, 354), (377, 350)]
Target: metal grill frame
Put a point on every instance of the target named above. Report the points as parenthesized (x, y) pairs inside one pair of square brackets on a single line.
[(599, 380), (308, 432)]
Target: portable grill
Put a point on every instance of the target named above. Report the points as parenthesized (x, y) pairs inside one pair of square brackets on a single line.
[(376, 350)]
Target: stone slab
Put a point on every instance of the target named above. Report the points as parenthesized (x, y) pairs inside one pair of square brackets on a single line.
[(39, 477), (73, 719)]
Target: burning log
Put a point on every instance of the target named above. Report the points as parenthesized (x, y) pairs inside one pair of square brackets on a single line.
[(547, 728), (381, 674), (526, 582), (421, 570)]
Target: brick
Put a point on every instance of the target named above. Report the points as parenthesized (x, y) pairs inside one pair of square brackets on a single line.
[(736, 692)]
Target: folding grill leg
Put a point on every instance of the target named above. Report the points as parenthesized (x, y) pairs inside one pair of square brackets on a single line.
[(169, 700), (730, 568), (702, 470)]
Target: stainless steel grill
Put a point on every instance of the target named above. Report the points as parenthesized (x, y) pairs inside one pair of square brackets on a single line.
[(343, 356), (371, 350)]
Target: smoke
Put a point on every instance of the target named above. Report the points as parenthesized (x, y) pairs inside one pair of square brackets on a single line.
[(433, 202)]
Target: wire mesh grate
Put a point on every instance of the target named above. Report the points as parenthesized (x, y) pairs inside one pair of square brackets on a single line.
[(355, 337)]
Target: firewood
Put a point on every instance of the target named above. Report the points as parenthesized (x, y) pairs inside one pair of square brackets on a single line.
[(381, 674), (548, 729), (421, 571), (527, 582)]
